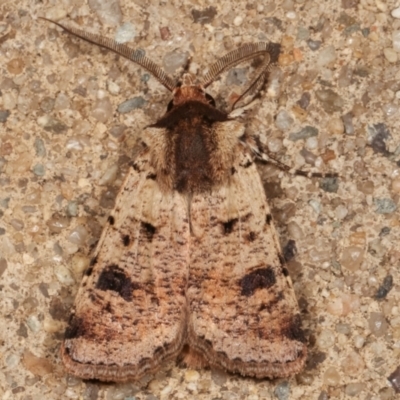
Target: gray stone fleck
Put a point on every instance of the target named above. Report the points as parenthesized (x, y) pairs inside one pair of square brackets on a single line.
[(314, 44), (304, 133), (39, 170), (236, 76), (348, 123), (377, 136), (131, 104), (330, 101), (384, 206), (385, 288), (302, 33), (40, 149), (282, 391), (330, 185), (54, 125), (283, 120), (174, 60), (4, 114)]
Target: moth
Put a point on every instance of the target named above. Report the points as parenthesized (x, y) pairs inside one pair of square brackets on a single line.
[(189, 265)]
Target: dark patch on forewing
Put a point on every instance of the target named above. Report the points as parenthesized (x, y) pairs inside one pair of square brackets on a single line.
[(293, 330), (93, 261), (75, 328), (251, 236), (262, 278), (114, 278), (285, 271), (88, 271), (151, 176), (268, 219), (126, 240), (148, 230), (111, 220), (229, 225)]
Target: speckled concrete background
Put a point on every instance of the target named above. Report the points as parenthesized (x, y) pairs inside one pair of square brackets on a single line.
[(66, 137)]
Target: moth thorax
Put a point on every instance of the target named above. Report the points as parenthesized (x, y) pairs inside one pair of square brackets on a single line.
[(186, 93)]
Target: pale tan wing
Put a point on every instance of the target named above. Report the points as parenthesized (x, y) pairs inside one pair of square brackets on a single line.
[(130, 311), (244, 315)]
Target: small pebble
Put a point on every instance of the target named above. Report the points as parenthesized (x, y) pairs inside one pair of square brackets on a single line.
[(39, 170), (385, 288), (63, 275), (304, 133), (396, 40), (395, 13), (78, 236), (354, 389), (33, 323), (125, 33), (377, 136), (283, 120), (205, 16), (348, 123), (131, 104), (4, 114), (40, 148), (238, 20), (326, 56), (377, 324), (352, 364), (109, 11), (326, 339), (102, 110), (282, 391), (174, 60), (394, 377), (191, 376), (390, 54), (37, 365), (358, 341), (12, 360), (384, 206), (314, 44), (329, 185), (352, 258), (330, 101), (331, 377)]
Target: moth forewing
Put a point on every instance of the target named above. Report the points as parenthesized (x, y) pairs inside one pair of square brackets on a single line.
[(189, 260)]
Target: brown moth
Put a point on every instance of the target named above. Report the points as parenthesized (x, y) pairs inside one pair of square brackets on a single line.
[(189, 265)]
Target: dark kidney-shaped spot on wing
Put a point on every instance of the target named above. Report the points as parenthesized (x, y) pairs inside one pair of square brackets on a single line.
[(147, 230), (262, 278), (114, 278), (293, 330), (229, 226), (75, 328)]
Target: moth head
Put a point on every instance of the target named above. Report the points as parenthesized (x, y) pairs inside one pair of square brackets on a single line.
[(188, 90)]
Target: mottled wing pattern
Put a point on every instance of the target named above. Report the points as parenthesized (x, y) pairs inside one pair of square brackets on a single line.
[(244, 315), (130, 311)]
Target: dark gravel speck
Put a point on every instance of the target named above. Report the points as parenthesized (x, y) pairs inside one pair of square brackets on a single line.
[(378, 134), (289, 250), (394, 379), (205, 16), (385, 288), (330, 185)]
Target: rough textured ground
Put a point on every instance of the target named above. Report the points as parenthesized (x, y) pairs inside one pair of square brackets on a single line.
[(66, 138)]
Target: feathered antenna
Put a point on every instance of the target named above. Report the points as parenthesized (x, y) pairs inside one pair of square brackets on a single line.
[(123, 50)]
